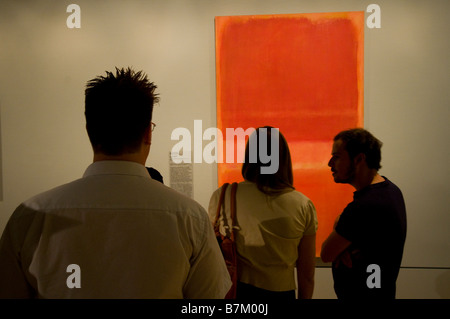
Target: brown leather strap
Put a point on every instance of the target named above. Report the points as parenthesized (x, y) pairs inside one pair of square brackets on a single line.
[(233, 209), (219, 206)]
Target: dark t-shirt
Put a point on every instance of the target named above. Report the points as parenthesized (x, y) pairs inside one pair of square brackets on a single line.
[(375, 223)]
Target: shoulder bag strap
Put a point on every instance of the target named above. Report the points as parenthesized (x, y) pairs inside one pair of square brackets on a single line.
[(233, 209), (219, 206)]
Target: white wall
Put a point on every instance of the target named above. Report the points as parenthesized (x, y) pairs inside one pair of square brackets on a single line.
[(44, 67)]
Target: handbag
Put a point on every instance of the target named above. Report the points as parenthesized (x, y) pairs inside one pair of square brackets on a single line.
[(227, 242)]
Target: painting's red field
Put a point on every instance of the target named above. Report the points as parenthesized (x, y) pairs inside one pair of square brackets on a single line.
[(301, 73)]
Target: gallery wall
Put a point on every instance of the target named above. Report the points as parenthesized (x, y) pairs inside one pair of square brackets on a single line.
[(45, 64)]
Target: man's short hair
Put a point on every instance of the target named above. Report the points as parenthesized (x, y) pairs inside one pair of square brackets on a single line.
[(118, 110), (359, 140)]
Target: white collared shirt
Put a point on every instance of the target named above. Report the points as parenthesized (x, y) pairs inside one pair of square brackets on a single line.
[(129, 236)]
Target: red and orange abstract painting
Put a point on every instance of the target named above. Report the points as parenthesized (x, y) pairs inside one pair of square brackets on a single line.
[(303, 74)]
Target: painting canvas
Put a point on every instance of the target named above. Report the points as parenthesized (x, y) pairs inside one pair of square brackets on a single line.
[(303, 74)]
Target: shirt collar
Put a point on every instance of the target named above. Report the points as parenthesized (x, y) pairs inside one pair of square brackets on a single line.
[(371, 186), (116, 168)]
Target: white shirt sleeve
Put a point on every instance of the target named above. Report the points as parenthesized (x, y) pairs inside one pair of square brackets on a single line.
[(208, 277)]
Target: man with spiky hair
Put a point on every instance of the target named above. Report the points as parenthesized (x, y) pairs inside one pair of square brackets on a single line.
[(366, 244), (115, 232)]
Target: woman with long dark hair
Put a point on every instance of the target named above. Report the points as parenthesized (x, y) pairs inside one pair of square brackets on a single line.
[(277, 225)]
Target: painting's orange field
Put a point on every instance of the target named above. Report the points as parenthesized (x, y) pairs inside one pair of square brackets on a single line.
[(301, 73)]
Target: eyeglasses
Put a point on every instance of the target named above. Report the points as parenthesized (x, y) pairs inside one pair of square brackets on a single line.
[(153, 126)]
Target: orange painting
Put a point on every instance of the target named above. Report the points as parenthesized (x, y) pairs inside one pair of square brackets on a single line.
[(301, 73)]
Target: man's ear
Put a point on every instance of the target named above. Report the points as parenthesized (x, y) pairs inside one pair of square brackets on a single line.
[(148, 135), (360, 158)]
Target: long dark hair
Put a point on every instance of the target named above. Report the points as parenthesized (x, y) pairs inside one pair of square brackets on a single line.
[(271, 184)]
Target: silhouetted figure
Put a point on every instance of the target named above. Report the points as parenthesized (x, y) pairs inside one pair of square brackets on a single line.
[(115, 232), (156, 175), (276, 224), (366, 245)]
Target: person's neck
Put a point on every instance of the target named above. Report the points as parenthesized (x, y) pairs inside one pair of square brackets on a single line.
[(130, 157), (369, 177)]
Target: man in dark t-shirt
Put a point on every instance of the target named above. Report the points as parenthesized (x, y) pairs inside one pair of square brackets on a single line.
[(366, 245)]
